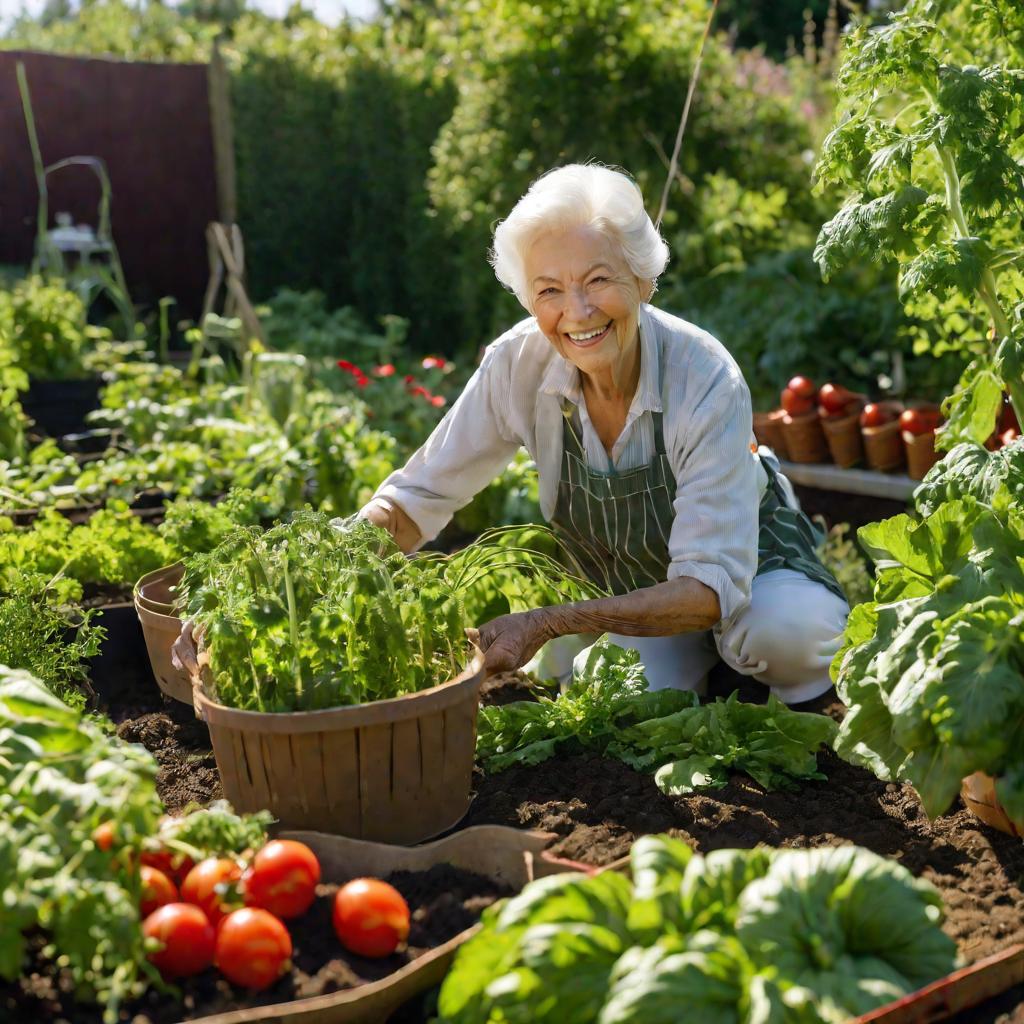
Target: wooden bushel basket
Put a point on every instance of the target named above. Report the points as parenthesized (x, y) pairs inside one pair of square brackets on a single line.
[(160, 628), (805, 440), (392, 771), (978, 793)]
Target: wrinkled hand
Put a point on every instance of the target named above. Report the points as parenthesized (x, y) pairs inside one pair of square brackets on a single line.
[(510, 641), (183, 650)]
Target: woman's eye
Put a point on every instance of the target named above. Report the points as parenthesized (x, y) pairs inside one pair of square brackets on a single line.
[(548, 291), (599, 280)]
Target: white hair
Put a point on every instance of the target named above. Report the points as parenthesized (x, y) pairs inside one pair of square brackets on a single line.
[(573, 196)]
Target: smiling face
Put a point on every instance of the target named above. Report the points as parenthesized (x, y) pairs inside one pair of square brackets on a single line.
[(585, 298)]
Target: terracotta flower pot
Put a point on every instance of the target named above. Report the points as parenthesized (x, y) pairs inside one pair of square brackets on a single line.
[(768, 431), (805, 439), (921, 453), (842, 433)]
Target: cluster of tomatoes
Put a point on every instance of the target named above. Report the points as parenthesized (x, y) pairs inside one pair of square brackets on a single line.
[(231, 914), (801, 396)]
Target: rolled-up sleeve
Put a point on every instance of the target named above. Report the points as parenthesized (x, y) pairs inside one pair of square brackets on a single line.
[(714, 533), (467, 449)]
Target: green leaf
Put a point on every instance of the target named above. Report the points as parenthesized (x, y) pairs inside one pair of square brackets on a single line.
[(972, 409), (929, 548), (700, 771)]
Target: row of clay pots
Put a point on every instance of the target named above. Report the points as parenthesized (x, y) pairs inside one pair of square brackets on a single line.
[(842, 440)]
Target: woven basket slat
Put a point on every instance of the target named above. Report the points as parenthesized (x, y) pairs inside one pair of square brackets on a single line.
[(339, 783)]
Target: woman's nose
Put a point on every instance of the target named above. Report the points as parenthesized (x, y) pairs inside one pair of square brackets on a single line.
[(577, 305)]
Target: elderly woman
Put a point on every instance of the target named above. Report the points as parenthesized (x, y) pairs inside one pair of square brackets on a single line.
[(640, 426)]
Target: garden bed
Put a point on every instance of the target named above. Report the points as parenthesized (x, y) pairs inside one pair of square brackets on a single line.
[(599, 807), (444, 901)]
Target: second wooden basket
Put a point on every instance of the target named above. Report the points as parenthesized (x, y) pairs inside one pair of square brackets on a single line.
[(154, 605)]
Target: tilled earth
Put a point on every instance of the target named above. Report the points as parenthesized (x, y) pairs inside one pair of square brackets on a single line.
[(598, 807)]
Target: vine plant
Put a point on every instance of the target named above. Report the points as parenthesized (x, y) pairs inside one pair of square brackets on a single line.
[(931, 150)]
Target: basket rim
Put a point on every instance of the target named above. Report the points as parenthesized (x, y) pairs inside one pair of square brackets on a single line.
[(378, 712)]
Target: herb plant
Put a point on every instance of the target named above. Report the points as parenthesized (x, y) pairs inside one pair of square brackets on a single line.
[(788, 936), (113, 547), (929, 142), (46, 640), (312, 615)]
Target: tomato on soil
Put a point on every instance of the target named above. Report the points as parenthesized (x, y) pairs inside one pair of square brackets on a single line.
[(875, 414), (370, 917), (157, 890), (210, 885), (253, 948), (920, 421), (186, 938), (794, 404), (282, 878)]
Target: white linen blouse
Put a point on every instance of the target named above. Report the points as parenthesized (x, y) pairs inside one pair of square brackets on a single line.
[(515, 398)]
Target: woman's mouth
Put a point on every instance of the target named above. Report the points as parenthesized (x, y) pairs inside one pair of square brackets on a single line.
[(589, 338)]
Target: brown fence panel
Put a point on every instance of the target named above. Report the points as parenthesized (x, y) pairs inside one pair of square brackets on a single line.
[(150, 123)]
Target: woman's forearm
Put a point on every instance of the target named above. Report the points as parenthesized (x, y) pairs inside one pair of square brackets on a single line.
[(682, 605)]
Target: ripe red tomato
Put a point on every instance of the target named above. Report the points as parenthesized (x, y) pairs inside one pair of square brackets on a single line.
[(919, 421), (875, 414), (104, 835), (834, 399), (802, 387), (282, 878), (173, 864), (210, 886), (157, 890), (795, 404), (253, 948), (186, 940), (370, 917)]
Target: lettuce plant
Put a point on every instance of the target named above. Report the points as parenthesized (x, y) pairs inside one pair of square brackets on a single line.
[(932, 668), (609, 710), (733, 937)]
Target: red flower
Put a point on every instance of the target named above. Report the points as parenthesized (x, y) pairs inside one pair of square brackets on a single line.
[(420, 390), (344, 364), (438, 400), (433, 363), (410, 379), (362, 380), (387, 370)]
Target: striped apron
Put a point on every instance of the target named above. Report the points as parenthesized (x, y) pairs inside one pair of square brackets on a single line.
[(614, 527)]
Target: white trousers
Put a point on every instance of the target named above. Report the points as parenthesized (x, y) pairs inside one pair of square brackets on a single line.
[(785, 638)]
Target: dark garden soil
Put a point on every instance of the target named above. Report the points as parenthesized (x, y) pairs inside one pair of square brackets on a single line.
[(598, 807), (444, 902)]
